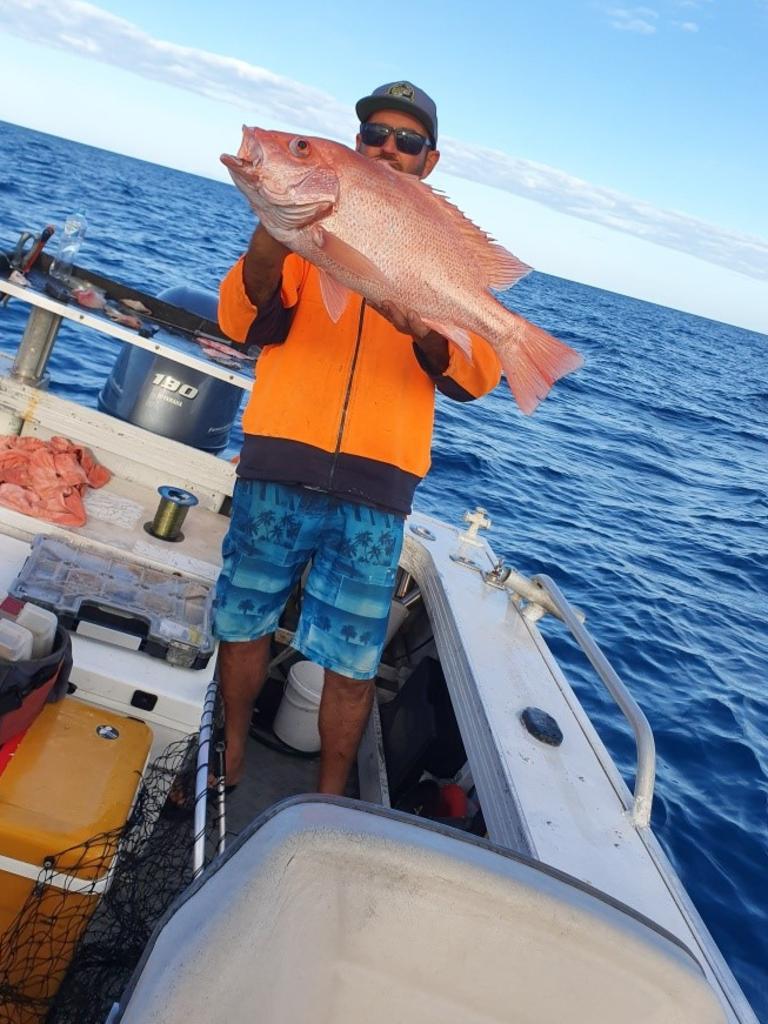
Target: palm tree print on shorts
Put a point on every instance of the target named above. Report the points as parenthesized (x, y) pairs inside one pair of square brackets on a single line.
[(370, 548), (274, 527)]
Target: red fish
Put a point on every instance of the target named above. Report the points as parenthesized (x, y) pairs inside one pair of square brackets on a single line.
[(391, 238)]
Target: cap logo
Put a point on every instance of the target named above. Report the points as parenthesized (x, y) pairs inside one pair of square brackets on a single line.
[(402, 90)]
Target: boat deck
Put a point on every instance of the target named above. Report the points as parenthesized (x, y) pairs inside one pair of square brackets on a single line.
[(270, 776), (566, 806)]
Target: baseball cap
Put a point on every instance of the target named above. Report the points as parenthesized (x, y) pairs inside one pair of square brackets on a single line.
[(403, 96)]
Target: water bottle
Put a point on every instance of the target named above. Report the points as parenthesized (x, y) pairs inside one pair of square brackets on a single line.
[(69, 246)]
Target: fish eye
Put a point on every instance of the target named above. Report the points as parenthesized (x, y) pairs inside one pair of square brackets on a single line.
[(299, 147)]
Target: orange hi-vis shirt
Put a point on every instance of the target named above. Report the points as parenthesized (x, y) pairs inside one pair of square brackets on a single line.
[(347, 408)]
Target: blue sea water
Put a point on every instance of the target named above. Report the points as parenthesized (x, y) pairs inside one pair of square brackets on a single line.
[(639, 485)]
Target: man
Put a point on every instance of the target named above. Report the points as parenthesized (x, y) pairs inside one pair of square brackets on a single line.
[(337, 436)]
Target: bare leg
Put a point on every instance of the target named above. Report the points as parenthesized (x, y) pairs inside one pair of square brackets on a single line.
[(242, 672), (344, 710)]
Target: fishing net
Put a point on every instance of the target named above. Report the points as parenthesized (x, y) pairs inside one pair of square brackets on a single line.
[(69, 953)]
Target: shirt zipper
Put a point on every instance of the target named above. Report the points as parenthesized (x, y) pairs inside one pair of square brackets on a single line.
[(348, 394)]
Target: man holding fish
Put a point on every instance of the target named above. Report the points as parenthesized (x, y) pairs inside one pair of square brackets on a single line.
[(366, 291)]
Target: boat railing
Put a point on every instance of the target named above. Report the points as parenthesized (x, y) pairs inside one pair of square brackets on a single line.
[(162, 339), (543, 595), (645, 774)]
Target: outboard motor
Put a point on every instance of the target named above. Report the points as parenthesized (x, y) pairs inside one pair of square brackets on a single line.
[(169, 398)]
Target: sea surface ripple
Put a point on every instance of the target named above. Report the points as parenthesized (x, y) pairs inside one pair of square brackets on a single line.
[(639, 485)]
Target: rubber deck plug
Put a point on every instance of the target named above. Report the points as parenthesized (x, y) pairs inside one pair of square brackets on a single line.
[(542, 726)]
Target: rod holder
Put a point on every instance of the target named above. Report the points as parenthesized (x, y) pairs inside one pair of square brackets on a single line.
[(35, 347)]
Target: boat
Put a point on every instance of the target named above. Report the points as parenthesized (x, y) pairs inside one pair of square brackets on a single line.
[(489, 862)]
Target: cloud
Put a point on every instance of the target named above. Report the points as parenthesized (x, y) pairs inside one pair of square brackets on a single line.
[(633, 19), (647, 21), (575, 197), (76, 26), (95, 34)]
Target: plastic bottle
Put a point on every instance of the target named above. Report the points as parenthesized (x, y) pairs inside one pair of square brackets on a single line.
[(15, 641), (69, 245), (39, 622)]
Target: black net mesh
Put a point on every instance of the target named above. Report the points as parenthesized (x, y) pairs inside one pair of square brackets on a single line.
[(70, 951)]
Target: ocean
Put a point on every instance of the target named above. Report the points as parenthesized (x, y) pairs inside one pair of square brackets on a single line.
[(639, 485)]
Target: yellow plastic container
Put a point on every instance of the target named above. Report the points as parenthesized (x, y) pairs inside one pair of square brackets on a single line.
[(74, 776)]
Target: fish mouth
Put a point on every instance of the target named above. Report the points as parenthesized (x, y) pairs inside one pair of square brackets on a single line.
[(250, 155), (235, 163), (250, 148), (241, 168)]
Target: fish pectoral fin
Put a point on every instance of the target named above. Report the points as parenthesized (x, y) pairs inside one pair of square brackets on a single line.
[(346, 256), (335, 295), (455, 334)]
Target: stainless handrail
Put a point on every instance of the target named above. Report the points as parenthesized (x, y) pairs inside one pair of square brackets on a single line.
[(646, 748), (33, 357)]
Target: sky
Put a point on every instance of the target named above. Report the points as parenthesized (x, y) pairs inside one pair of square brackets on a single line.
[(620, 146)]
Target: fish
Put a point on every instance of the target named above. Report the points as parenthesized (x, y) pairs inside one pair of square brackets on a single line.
[(224, 354), (394, 239), (48, 479), (90, 298), (136, 305), (124, 319)]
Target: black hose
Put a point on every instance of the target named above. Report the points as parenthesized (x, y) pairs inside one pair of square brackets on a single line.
[(268, 739)]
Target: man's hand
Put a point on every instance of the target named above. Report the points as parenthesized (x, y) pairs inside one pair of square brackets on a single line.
[(404, 320), (433, 345), (263, 266)]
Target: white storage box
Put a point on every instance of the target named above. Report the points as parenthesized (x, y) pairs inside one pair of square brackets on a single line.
[(15, 641), (169, 699)]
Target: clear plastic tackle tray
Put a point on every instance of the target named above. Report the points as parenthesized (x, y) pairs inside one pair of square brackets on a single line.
[(169, 616)]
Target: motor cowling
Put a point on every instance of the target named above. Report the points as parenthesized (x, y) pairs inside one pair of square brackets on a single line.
[(169, 398)]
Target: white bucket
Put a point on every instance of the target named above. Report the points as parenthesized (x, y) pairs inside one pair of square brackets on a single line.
[(296, 719)]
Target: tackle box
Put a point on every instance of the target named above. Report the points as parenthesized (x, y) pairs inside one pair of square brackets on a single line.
[(65, 784), (120, 601), (168, 698)]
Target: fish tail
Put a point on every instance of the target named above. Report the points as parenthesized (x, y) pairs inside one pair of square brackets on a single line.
[(533, 362)]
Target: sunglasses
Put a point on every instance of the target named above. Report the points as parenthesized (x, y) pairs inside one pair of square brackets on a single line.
[(406, 140)]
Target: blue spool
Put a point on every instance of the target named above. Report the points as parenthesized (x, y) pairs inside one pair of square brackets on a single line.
[(171, 513)]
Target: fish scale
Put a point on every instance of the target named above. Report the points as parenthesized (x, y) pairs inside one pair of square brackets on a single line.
[(391, 238)]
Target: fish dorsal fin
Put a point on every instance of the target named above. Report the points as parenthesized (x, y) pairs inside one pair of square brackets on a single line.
[(335, 295), (499, 268)]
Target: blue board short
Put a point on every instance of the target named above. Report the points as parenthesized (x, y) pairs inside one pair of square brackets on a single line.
[(275, 530)]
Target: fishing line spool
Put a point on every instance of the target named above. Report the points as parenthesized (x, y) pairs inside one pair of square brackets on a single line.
[(171, 513)]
